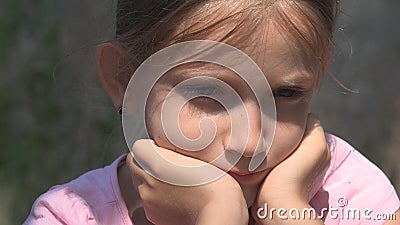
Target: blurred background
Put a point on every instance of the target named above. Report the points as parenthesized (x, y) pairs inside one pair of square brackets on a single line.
[(56, 122)]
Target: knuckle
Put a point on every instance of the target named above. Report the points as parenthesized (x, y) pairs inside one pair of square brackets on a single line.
[(151, 182), (144, 193)]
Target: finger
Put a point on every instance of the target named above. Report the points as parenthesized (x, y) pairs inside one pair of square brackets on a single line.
[(316, 150), (312, 150), (314, 135), (172, 167), (313, 124)]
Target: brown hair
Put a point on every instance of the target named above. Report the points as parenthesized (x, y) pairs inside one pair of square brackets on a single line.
[(143, 27)]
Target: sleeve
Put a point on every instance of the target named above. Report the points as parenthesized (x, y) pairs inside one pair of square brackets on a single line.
[(60, 206), (355, 191), (373, 193)]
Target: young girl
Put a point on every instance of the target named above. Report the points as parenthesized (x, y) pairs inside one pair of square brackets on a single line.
[(306, 177)]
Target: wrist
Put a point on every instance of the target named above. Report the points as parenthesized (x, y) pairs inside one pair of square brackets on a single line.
[(288, 192)]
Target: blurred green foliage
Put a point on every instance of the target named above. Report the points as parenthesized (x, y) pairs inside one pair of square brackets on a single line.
[(56, 122), (46, 135)]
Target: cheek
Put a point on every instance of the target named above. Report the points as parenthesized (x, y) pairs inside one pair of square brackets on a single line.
[(287, 138), (195, 122), (290, 127), (189, 124)]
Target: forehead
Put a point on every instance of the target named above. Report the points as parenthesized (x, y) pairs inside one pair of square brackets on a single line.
[(280, 62), (256, 35)]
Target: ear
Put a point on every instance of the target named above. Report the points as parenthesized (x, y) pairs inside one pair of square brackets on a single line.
[(114, 70)]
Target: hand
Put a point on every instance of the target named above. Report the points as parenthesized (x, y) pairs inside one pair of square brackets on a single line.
[(293, 182), (218, 202)]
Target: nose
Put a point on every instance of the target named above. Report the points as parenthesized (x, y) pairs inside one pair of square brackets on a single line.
[(245, 135)]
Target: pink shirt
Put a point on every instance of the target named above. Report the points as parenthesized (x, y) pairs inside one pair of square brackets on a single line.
[(354, 189)]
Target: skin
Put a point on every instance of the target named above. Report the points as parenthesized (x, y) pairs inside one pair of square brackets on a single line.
[(283, 75), (287, 183), (293, 84)]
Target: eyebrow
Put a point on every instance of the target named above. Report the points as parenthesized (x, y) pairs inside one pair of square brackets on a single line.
[(297, 77), (183, 73), (189, 71)]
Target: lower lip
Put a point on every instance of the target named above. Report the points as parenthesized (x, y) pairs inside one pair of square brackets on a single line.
[(248, 178)]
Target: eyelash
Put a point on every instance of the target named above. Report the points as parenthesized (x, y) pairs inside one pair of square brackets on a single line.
[(209, 91), (202, 103), (288, 92), (208, 104)]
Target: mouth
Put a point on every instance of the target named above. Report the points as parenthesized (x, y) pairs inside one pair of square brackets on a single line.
[(246, 177)]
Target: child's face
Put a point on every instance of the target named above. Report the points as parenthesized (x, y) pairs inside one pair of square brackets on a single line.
[(292, 79)]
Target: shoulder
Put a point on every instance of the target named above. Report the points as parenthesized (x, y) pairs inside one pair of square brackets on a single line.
[(60, 206), (93, 198), (354, 182)]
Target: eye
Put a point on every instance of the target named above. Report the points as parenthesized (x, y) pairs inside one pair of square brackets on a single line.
[(203, 102), (202, 91), (288, 92)]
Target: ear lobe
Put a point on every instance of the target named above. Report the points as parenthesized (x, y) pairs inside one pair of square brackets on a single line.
[(114, 70)]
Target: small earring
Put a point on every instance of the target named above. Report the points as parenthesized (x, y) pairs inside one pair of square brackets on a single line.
[(121, 110)]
